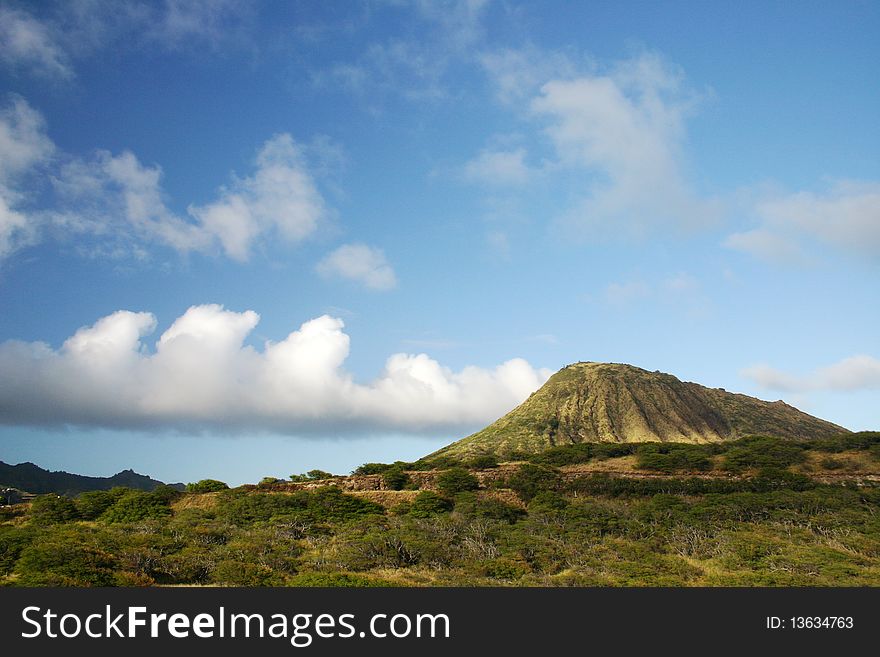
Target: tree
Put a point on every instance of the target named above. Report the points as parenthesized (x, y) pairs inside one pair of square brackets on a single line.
[(530, 479), (457, 480), (206, 486), (428, 503), (135, 506), (49, 509), (395, 479)]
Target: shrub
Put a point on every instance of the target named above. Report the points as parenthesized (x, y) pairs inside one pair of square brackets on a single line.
[(136, 506), (669, 457), (342, 580), (268, 481), (236, 573), (762, 452), (483, 462), (564, 455), (65, 559), (50, 509), (829, 463), (472, 505), (93, 503), (206, 486), (547, 501), (457, 480), (395, 479), (428, 503), (530, 479), (324, 504)]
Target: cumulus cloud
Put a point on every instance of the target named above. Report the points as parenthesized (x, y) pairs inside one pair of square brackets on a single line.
[(845, 217), (281, 196), (361, 263), (201, 372), (860, 372), (116, 200)]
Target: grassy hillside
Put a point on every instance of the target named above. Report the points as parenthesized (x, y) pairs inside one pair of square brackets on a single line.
[(751, 512), (608, 402)]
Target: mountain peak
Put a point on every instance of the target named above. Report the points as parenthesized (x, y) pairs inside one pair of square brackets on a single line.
[(618, 402)]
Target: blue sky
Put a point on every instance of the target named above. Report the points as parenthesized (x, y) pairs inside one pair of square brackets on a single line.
[(240, 240)]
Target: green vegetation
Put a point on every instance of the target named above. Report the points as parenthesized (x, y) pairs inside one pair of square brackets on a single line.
[(311, 475), (616, 403), (206, 486), (457, 480), (752, 512)]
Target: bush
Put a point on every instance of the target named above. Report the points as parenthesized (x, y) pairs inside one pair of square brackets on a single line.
[(206, 486), (457, 480), (92, 504), (669, 457), (829, 463), (65, 559), (341, 580), (311, 475), (472, 505), (50, 509), (395, 479), (428, 503), (236, 573), (762, 452), (483, 462), (268, 481), (530, 479), (136, 506), (324, 504), (564, 455)]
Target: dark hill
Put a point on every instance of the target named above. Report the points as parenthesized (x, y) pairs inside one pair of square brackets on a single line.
[(34, 479), (610, 402)]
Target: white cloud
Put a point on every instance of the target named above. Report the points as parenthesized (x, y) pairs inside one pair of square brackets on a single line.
[(359, 262), (201, 372), (46, 41), (623, 293), (498, 167), (860, 372), (846, 217), (281, 196), (766, 245), (626, 129), (115, 196), (23, 146), (26, 43), (23, 139)]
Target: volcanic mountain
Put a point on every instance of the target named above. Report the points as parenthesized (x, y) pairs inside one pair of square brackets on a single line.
[(610, 402)]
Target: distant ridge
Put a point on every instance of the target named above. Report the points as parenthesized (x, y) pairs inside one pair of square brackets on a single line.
[(612, 402), (34, 479)]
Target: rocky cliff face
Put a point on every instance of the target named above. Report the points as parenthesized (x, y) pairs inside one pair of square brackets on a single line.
[(610, 402)]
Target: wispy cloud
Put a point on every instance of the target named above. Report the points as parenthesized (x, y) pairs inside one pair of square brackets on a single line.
[(846, 217), (27, 44), (24, 146), (361, 263), (47, 40), (118, 203), (200, 372), (860, 372)]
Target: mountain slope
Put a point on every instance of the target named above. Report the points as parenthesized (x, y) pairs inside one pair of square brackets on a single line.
[(34, 479), (610, 402)]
